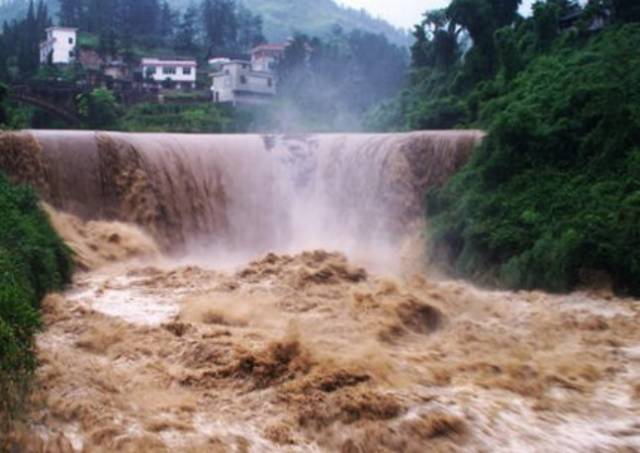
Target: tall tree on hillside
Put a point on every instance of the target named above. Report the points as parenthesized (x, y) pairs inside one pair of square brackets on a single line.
[(185, 40), (106, 22), (220, 26), (545, 23), (43, 21), (627, 10), (144, 16), (437, 41), (4, 55), (28, 54), (70, 12), (166, 23), (481, 19), (249, 29)]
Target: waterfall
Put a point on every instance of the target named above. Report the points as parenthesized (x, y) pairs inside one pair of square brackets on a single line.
[(244, 194)]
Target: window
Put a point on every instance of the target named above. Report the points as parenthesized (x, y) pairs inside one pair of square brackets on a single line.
[(70, 40), (71, 54), (186, 70), (243, 80), (270, 82), (168, 70), (150, 70)]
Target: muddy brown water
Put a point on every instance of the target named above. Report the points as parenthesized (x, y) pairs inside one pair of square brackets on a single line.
[(260, 293)]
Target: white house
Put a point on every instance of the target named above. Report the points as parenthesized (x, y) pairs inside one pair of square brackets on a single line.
[(180, 72), (265, 57), (60, 46), (236, 82)]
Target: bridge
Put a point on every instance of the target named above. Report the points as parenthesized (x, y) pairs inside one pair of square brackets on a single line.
[(59, 101)]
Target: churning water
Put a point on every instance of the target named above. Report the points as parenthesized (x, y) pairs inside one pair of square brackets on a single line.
[(260, 293)]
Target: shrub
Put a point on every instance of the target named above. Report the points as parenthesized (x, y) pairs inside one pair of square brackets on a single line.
[(33, 261), (554, 189)]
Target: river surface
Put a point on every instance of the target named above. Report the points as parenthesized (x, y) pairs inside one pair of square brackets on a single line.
[(269, 293)]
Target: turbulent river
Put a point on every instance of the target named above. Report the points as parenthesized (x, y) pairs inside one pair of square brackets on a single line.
[(269, 293)]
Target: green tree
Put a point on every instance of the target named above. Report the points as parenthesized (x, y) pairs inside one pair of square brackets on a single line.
[(220, 26), (437, 41), (185, 39), (70, 12), (481, 18), (627, 10), (99, 109), (166, 23), (509, 55)]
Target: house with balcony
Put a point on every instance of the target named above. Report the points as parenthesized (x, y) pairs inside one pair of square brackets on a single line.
[(177, 73), (236, 82), (59, 46)]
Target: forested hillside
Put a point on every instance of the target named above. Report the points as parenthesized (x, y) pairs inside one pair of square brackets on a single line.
[(552, 198), (281, 18), (316, 17)]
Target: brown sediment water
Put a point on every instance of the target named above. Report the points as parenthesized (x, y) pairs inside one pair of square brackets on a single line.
[(241, 195), (250, 293)]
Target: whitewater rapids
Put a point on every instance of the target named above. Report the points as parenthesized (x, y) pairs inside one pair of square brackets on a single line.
[(260, 294)]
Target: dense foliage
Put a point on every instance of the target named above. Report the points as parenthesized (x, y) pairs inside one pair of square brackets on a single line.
[(99, 109), (33, 261), (201, 118), (554, 191), (552, 197)]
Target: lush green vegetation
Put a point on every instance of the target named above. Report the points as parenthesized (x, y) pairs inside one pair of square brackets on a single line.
[(33, 261), (202, 118), (554, 190), (552, 197)]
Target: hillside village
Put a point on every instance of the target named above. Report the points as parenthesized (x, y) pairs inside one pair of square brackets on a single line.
[(238, 82), (206, 66)]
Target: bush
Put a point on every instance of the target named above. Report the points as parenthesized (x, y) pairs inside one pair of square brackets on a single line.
[(33, 261), (203, 118), (99, 109), (554, 189)]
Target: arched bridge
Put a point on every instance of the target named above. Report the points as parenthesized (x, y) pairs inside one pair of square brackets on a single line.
[(57, 101)]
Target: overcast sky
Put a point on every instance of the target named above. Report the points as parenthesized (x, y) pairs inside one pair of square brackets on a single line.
[(402, 13)]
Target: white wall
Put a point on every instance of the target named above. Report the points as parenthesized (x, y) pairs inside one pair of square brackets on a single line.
[(236, 82), (265, 64), (61, 44), (176, 71)]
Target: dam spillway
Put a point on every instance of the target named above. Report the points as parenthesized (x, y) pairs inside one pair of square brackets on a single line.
[(244, 194)]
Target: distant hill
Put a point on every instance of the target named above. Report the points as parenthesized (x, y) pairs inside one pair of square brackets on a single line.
[(281, 17), (316, 17)]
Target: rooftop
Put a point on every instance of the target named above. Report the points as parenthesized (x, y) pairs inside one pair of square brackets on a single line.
[(170, 61)]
